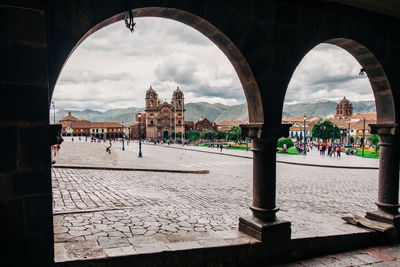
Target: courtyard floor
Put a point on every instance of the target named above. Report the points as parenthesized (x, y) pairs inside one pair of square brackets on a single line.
[(99, 213)]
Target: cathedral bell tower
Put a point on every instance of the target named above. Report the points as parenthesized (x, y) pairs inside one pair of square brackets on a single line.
[(179, 109), (344, 109), (151, 100)]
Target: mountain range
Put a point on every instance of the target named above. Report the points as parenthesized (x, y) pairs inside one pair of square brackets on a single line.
[(218, 112)]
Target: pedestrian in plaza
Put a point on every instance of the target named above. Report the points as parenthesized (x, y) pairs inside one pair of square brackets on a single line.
[(54, 149), (284, 148), (72, 139), (339, 149), (108, 149), (221, 146)]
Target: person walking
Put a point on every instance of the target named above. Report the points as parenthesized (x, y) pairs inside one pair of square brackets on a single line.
[(339, 149)]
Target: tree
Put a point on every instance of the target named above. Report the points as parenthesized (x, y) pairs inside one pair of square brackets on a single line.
[(209, 135), (288, 141), (221, 135), (193, 135), (235, 134), (325, 130), (374, 139)]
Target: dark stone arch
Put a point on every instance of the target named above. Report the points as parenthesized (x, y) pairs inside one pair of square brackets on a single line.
[(385, 105), (235, 56), (384, 101), (364, 35)]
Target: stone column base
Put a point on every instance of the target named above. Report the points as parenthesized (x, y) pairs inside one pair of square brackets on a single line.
[(382, 216), (271, 232)]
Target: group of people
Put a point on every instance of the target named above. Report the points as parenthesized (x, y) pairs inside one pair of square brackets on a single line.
[(331, 149), (301, 147)]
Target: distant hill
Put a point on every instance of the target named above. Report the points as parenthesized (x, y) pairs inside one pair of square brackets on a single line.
[(324, 108), (118, 115), (211, 111), (218, 112), (237, 112)]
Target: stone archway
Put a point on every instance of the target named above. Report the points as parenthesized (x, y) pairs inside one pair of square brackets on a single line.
[(239, 62), (386, 127), (384, 101)]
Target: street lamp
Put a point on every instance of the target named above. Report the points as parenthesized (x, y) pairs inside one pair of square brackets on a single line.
[(348, 133), (305, 140), (363, 139), (54, 112), (323, 132), (123, 136), (140, 136)]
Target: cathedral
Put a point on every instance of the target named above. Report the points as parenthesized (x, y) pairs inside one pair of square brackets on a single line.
[(162, 118)]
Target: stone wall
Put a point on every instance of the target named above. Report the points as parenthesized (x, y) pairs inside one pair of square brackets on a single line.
[(264, 40)]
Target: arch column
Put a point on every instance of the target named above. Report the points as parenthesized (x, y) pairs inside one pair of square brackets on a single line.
[(388, 190), (264, 224)]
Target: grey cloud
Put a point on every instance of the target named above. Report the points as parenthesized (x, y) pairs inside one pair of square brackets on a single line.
[(76, 76), (185, 73), (335, 79), (327, 72), (175, 71), (149, 39)]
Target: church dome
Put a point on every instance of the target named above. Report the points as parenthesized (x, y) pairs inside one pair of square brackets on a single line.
[(151, 92), (344, 108), (177, 90), (69, 117), (344, 101)]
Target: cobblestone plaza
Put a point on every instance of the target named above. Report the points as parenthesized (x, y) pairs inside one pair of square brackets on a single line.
[(110, 212)]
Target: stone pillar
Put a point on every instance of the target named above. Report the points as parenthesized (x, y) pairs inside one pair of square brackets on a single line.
[(388, 190), (26, 223), (264, 224)]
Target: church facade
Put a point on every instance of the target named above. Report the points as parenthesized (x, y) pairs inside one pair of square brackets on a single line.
[(161, 118)]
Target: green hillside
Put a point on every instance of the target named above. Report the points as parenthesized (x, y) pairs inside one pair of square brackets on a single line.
[(237, 112), (211, 111)]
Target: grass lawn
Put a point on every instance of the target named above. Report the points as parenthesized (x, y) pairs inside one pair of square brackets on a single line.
[(231, 148), (291, 151), (367, 154)]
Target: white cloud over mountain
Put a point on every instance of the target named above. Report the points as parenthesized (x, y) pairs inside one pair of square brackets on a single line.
[(113, 68)]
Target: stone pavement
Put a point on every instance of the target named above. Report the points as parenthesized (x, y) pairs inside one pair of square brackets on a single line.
[(384, 256), (158, 157), (101, 213)]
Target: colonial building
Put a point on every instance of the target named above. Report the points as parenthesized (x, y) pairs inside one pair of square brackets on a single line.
[(134, 128), (204, 125), (162, 118), (298, 123), (227, 125), (352, 128), (71, 126), (351, 125)]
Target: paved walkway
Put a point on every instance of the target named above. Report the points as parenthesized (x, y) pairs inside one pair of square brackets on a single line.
[(312, 158), (108, 213), (384, 256)]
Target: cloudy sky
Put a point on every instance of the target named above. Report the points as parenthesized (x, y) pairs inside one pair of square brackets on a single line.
[(113, 68)]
